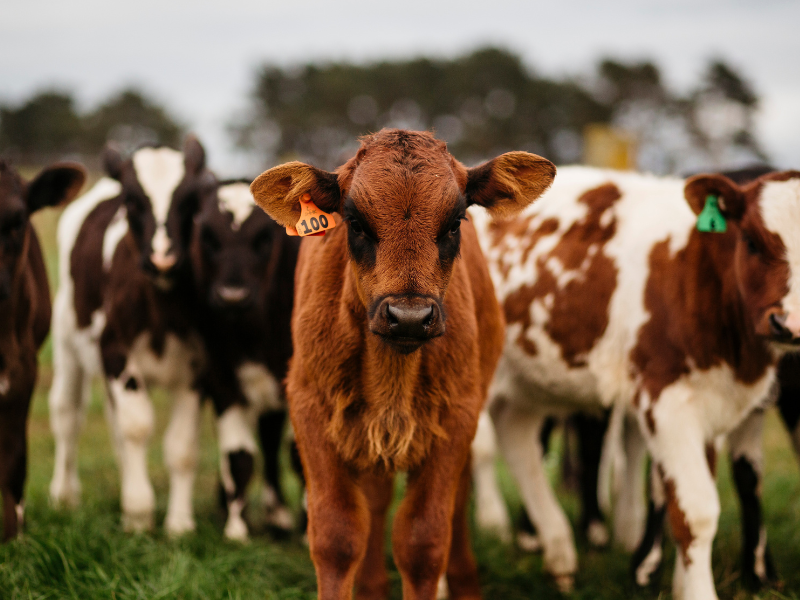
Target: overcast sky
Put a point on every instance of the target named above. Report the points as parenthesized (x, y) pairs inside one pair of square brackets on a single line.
[(199, 57)]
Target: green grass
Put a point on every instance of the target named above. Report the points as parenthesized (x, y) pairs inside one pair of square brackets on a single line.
[(84, 554)]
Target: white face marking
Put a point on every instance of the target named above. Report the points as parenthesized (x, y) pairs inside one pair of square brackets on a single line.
[(236, 199), (161, 242), (780, 209), (159, 171)]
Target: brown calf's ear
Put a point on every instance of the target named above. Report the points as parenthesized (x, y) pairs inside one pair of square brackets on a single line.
[(112, 161), (194, 155), (507, 184), (57, 184), (731, 199), (278, 191)]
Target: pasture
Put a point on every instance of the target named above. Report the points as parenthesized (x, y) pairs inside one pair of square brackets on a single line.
[(85, 554)]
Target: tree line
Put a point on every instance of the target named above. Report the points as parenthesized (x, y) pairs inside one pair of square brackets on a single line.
[(48, 126), (482, 103)]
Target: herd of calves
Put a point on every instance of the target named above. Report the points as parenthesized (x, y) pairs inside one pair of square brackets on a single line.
[(428, 302)]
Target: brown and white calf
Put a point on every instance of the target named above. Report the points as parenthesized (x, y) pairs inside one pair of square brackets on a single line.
[(125, 310), (396, 333), (244, 271), (612, 296), (746, 454), (24, 316)]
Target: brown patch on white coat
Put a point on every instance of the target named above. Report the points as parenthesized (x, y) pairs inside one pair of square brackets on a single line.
[(578, 293)]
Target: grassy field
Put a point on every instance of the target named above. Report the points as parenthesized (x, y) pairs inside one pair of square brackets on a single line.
[(84, 554)]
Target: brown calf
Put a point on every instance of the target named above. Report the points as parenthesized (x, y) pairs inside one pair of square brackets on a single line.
[(24, 316), (396, 333)]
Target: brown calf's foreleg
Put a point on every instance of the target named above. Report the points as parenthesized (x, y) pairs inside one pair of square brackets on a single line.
[(462, 572), (372, 582), (423, 526), (338, 513)]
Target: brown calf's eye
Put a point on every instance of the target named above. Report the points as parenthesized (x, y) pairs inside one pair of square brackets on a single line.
[(355, 226), (454, 228), (752, 249)]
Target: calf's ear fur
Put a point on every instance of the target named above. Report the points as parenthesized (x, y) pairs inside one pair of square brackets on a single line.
[(194, 155), (507, 184), (732, 202), (278, 191), (113, 161), (57, 184)]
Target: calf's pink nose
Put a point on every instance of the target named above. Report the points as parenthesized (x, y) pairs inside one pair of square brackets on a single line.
[(163, 263)]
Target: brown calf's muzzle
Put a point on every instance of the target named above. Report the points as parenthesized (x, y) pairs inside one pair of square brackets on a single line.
[(784, 328), (405, 323)]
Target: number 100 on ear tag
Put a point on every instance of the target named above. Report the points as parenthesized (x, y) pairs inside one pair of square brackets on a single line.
[(313, 220)]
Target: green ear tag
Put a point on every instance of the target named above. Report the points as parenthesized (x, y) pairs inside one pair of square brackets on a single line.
[(711, 219)]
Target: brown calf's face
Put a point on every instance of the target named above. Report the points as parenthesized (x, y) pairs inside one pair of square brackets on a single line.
[(403, 197), (766, 215), (235, 246), (162, 190), (55, 185)]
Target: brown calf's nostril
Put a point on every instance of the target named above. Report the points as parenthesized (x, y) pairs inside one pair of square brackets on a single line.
[(777, 324), (392, 315)]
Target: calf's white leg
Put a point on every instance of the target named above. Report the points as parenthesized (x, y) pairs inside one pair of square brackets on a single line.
[(180, 454), (237, 446), (490, 508), (67, 400), (630, 509), (133, 416), (678, 445), (518, 438)]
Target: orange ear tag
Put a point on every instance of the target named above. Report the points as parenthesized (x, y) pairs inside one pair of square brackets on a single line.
[(313, 220)]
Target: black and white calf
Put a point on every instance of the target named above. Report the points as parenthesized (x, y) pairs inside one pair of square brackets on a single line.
[(244, 266), (125, 310)]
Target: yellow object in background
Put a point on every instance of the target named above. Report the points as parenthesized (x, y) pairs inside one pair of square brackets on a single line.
[(607, 147)]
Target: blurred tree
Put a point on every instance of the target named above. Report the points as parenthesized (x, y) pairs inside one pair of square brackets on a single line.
[(482, 104), (47, 127), (41, 129), (723, 118), (643, 108), (130, 119), (710, 128)]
